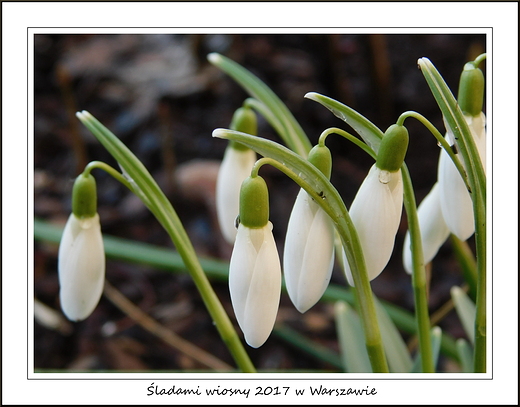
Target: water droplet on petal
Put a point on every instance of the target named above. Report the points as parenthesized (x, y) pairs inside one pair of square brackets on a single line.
[(384, 177)]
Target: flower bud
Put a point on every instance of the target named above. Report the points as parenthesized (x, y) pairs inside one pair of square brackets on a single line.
[(236, 166), (81, 256), (309, 244), (255, 281)]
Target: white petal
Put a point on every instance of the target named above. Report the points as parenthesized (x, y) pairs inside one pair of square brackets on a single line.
[(477, 125), (81, 267), (376, 214), (434, 231), (236, 166), (308, 252), (255, 282), (456, 205)]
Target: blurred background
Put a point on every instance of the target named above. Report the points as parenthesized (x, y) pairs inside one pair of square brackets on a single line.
[(162, 98)]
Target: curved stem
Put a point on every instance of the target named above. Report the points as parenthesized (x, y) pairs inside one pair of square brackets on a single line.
[(440, 139), (109, 170), (479, 59), (348, 136)]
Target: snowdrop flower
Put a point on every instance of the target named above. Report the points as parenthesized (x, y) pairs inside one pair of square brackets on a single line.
[(377, 206), (81, 256), (236, 166), (309, 245), (255, 277), (434, 230), (455, 200), (448, 207)]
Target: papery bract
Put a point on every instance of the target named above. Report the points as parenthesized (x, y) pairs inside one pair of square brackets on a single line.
[(308, 252), (255, 282), (81, 266)]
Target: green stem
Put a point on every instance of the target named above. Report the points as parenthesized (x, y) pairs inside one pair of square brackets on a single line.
[(109, 170), (418, 275), (354, 253), (158, 204), (440, 139), (348, 136), (479, 59), (480, 321)]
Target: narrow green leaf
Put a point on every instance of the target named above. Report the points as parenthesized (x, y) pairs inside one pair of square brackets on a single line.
[(436, 338), (399, 359), (351, 339), (311, 348), (467, 263), (465, 310), (293, 134), (368, 131), (465, 355)]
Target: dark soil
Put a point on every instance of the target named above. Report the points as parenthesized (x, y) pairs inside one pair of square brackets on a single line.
[(163, 99)]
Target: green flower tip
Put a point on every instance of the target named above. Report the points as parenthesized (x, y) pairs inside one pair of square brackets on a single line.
[(393, 148), (321, 158), (84, 196), (244, 120), (471, 89), (254, 202)]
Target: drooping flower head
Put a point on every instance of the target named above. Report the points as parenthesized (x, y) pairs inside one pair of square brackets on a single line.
[(236, 166), (81, 256), (309, 245), (254, 271), (377, 206), (448, 207), (455, 200)]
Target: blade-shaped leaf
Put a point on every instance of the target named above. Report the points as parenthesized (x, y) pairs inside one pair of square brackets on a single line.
[(465, 310), (465, 355), (368, 131), (399, 359), (436, 337), (351, 339), (293, 135)]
